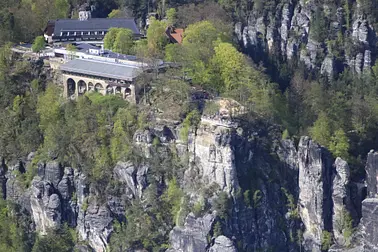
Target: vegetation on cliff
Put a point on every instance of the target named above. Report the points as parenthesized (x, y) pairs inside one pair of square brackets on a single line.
[(95, 132)]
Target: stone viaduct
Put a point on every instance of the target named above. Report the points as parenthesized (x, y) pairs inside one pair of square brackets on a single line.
[(75, 86), (81, 76)]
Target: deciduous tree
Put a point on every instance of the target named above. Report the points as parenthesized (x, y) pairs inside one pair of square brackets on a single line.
[(339, 145), (38, 44), (156, 37), (124, 41), (110, 38)]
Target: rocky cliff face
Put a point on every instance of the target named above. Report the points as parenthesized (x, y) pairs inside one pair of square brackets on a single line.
[(213, 156), (315, 171), (369, 205), (290, 30), (282, 197)]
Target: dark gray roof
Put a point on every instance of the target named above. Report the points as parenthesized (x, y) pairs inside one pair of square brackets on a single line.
[(101, 69), (94, 24), (85, 47)]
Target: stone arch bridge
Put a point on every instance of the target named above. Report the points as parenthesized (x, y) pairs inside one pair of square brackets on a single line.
[(75, 86), (82, 76)]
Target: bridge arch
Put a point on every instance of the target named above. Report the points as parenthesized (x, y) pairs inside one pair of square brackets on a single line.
[(118, 91), (71, 87), (109, 89), (90, 87), (82, 87), (127, 92), (98, 87)]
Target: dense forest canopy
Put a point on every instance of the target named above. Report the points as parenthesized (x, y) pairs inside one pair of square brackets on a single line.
[(95, 132)]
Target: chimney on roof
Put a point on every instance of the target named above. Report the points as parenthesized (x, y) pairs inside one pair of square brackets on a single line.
[(84, 15), (85, 12)]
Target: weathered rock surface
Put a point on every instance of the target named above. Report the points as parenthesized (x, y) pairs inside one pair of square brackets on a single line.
[(341, 199), (45, 205), (221, 154), (371, 174), (369, 224), (193, 236), (286, 30), (287, 153), (211, 152), (222, 244), (135, 178), (315, 181), (97, 225)]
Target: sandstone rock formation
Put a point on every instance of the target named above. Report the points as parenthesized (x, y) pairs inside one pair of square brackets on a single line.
[(221, 153), (315, 205), (287, 30), (212, 153), (222, 244), (193, 236)]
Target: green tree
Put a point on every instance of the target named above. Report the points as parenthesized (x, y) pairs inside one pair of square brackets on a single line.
[(124, 41), (285, 134), (319, 27), (222, 205), (60, 240), (117, 13), (48, 106), (38, 44), (110, 38), (13, 230), (228, 5), (197, 51), (125, 123), (171, 52), (173, 196), (230, 65), (62, 8), (156, 37), (71, 50), (339, 145), (202, 35), (326, 240), (322, 131), (192, 119), (171, 16)]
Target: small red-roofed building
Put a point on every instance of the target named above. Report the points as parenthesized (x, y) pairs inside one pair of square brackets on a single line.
[(175, 35)]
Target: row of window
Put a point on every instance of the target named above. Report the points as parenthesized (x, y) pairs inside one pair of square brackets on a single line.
[(82, 33)]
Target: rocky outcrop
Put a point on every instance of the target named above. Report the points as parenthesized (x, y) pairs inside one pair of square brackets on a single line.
[(287, 153), (193, 236), (263, 185), (222, 244), (67, 190), (369, 220), (134, 178), (212, 156), (45, 205), (341, 201), (371, 174), (95, 225), (315, 181), (369, 223), (51, 197), (287, 30), (327, 67), (360, 30)]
